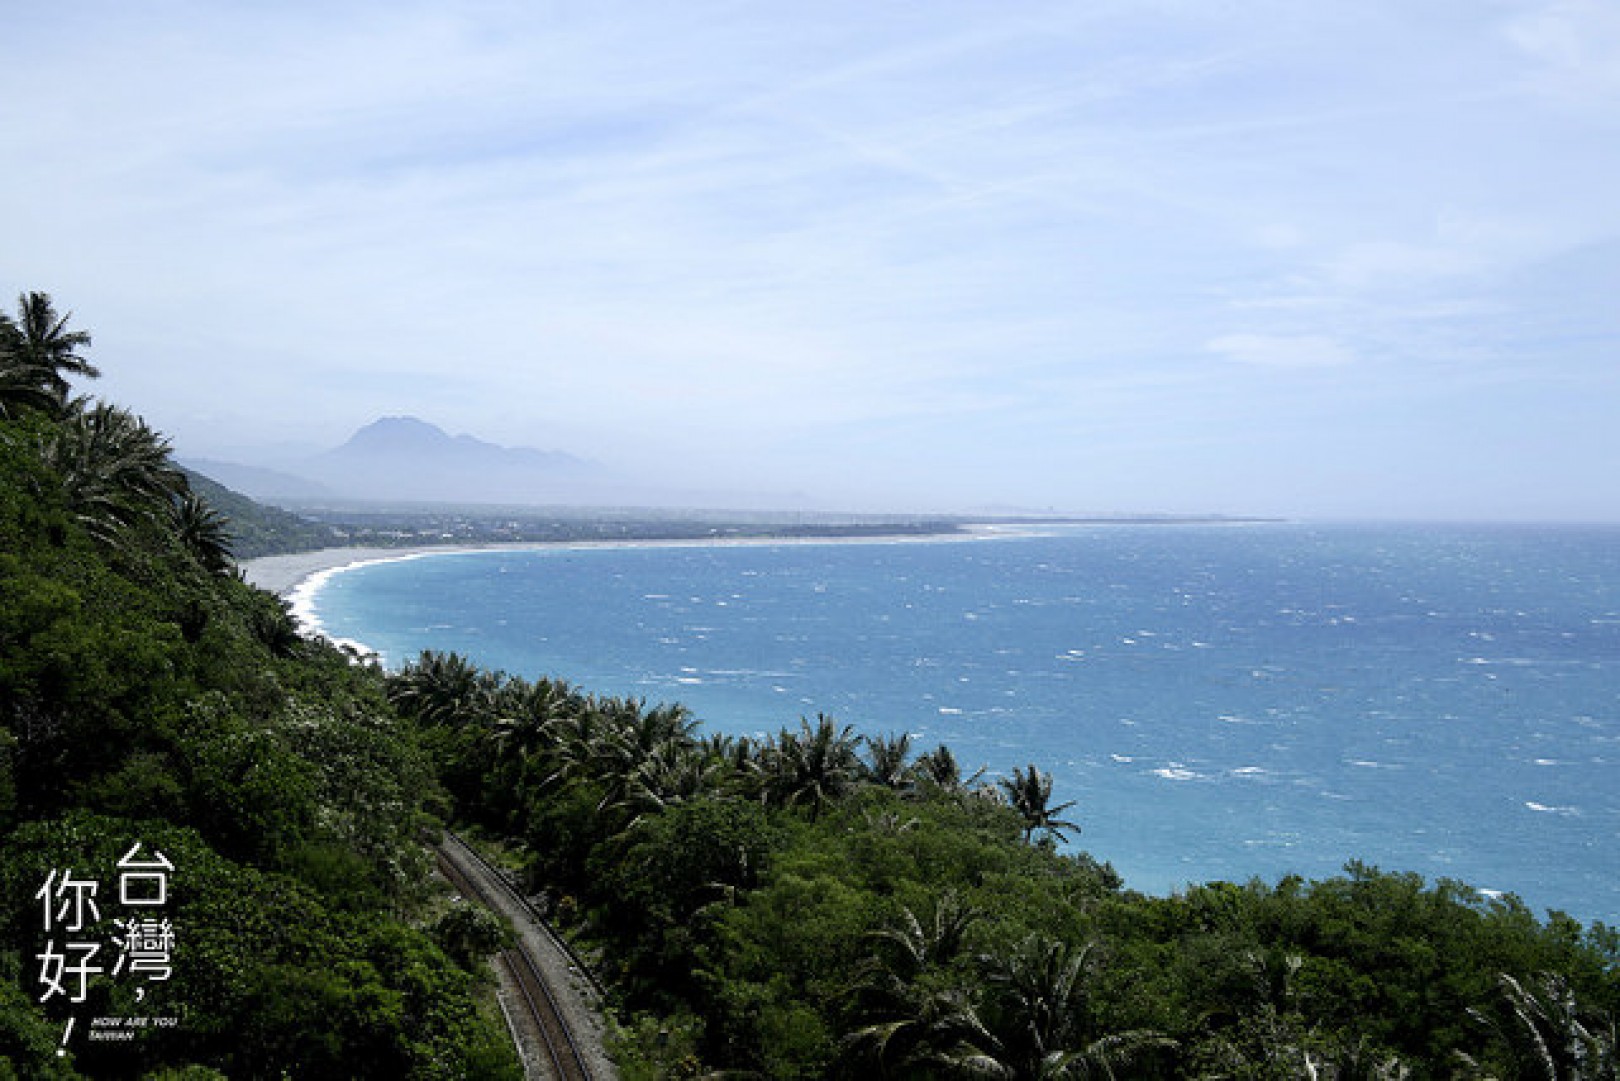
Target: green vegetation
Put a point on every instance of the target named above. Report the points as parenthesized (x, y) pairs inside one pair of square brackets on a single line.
[(822, 904), (147, 696), (399, 525), (257, 530), (815, 904)]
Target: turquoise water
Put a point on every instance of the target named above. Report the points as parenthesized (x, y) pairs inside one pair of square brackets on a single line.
[(1222, 702)]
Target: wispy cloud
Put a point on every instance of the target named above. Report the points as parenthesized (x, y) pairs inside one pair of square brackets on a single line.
[(1011, 240), (1282, 351), (1576, 48)]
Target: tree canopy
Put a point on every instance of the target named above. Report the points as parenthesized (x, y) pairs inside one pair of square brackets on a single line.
[(809, 903), (152, 702)]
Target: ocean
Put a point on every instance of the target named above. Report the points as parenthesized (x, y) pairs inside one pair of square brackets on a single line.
[(1222, 702)]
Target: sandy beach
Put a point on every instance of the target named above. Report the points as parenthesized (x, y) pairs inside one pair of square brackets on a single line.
[(282, 574), (299, 577)]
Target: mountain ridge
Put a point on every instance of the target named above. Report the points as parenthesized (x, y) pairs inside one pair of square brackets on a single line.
[(406, 458), (411, 434)]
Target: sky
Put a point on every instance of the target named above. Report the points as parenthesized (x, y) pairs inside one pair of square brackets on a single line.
[(1350, 259)]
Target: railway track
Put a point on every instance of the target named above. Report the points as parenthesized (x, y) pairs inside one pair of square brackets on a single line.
[(479, 880)]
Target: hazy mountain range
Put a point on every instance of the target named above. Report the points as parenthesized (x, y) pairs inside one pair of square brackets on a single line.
[(406, 459)]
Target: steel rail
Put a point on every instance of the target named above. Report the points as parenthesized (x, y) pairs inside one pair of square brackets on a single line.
[(540, 921), (567, 1061), (565, 1056)]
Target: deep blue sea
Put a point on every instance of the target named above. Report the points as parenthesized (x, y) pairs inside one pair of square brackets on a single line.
[(1222, 701)]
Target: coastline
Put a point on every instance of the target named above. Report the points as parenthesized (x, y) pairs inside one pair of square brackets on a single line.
[(285, 575), (1162, 765), (298, 577)]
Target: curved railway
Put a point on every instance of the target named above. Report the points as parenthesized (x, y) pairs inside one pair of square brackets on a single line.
[(477, 879)]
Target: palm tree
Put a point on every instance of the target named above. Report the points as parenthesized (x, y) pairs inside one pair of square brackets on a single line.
[(115, 470), (204, 532), (1549, 1035), (741, 762), (919, 1019), (22, 383), (528, 715), (614, 737), (272, 622), (1037, 1018), (1271, 1037), (647, 730), (47, 347), (940, 768), (525, 735), (672, 774), (938, 942), (814, 765), (932, 1034), (1361, 1059), (1030, 795), (443, 689), (889, 823), (37, 352), (886, 759), (582, 736)]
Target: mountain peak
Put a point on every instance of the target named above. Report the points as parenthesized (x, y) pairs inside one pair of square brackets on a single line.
[(388, 434), (405, 457)]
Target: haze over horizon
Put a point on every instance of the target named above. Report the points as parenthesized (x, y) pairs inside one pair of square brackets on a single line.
[(1335, 260)]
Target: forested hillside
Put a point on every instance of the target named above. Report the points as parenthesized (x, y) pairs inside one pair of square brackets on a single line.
[(257, 529), (211, 829), (213, 861), (824, 904)]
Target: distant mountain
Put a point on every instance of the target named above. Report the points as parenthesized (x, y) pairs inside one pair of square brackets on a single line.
[(405, 458), (268, 485), (409, 437), (408, 460)]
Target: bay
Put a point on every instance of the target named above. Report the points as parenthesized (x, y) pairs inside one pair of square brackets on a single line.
[(1221, 701)]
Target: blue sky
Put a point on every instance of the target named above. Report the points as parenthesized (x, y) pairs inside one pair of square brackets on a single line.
[(1320, 260)]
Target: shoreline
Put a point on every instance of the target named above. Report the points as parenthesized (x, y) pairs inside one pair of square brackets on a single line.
[(286, 574), (298, 569), (298, 577)]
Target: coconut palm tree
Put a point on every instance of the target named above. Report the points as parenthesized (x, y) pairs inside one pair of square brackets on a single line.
[(886, 760), (1272, 1038), (582, 736), (204, 531), (741, 762), (1548, 1034), (931, 1035), (48, 343), (889, 823), (525, 734), (646, 730), (940, 768), (443, 689), (1357, 1061), (37, 353), (814, 765), (919, 1017), (528, 715), (939, 941), (1030, 794), (672, 774), (115, 470), (23, 385), (1037, 1018), (613, 737)]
